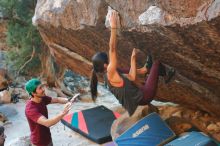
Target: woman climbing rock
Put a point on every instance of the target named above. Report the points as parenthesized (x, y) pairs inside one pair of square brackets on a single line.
[(120, 81)]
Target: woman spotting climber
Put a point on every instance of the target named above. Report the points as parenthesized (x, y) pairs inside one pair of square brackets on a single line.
[(120, 82)]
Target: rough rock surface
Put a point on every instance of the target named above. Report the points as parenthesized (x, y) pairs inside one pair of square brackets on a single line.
[(182, 34), (181, 120)]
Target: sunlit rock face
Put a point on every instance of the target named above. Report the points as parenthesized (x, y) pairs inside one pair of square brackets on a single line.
[(182, 34)]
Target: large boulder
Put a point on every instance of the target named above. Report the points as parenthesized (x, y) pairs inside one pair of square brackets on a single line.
[(182, 34)]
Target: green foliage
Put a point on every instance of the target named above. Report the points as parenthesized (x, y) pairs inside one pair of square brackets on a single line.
[(22, 36)]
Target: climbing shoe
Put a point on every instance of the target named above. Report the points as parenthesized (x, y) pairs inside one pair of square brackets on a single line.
[(170, 74), (149, 62)]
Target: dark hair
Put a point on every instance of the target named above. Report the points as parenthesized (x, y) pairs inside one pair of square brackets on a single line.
[(98, 61)]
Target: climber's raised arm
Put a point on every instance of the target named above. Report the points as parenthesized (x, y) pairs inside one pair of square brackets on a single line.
[(113, 43)]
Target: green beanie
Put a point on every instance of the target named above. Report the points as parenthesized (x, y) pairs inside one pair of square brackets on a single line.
[(31, 85)]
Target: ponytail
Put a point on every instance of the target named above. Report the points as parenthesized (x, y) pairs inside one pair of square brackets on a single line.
[(93, 85), (98, 61)]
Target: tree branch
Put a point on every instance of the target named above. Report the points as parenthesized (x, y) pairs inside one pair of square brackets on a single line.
[(32, 56)]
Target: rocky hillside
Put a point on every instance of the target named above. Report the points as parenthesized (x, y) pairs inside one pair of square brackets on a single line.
[(182, 34)]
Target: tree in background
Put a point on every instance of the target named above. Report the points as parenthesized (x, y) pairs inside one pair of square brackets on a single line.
[(28, 54), (22, 37)]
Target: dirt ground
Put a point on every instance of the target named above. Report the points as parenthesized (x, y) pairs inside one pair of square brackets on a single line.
[(17, 129)]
